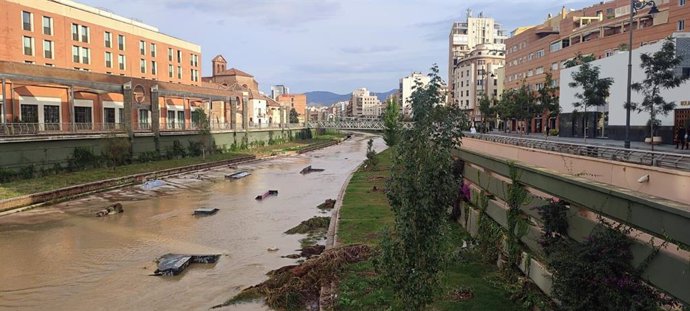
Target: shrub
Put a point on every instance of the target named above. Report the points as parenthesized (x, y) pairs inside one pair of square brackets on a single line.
[(82, 158), (178, 150), (116, 151), (553, 132), (26, 172), (195, 148), (149, 156)]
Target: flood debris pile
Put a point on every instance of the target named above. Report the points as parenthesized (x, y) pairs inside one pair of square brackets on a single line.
[(327, 205), (112, 209), (174, 264), (312, 225), (309, 169), (298, 287)]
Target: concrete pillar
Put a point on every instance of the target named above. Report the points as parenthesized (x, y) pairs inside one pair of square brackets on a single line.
[(233, 113), (70, 100), (155, 118), (306, 115), (281, 110), (245, 113), (4, 102), (127, 93)]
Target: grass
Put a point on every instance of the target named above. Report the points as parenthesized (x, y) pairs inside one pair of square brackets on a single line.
[(362, 217), (52, 182)]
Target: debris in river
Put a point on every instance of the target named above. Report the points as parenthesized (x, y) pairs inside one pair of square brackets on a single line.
[(311, 251), (291, 256), (309, 169), (273, 249), (295, 287), (152, 184), (266, 194), (237, 175), (311, 225), (327, 205), (112, 209), (174, 264), (205, 211)]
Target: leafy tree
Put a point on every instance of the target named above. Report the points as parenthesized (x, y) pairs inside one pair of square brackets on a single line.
[(421, 189), (595, 89), (203, 124), (659, 75), (579, 59), (547, 97), (372, 160), (486, 108), (391, 123), (517, 104), (293, 116)]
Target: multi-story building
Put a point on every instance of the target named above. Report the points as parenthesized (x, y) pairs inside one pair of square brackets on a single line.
[(340, 110), (66, 34), (364, 104), (600, 30), (407, 86), (464, 36), (296, 101), (277, 90), (477, 75)]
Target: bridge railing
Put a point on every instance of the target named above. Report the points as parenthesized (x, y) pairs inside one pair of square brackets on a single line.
[(637, 156), (377, 125)]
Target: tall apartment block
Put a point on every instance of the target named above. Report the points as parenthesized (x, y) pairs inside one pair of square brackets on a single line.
[(364, 104), (464, 37), (600, 30), (277, 90), (407, 86)]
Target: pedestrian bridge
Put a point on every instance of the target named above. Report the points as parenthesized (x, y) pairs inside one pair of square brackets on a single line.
[(371, 125)]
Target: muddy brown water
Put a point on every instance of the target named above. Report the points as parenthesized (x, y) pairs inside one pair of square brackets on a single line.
[(61, 257)]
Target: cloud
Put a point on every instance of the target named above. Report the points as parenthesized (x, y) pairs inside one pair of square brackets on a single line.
[(274, 13), (369, 50)]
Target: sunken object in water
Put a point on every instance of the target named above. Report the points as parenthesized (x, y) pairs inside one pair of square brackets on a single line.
[(309, 169), (205, 211), (267, 194), (112, 209), (237, 175), (174, 264)]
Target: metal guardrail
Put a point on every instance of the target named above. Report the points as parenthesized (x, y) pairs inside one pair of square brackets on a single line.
[(637, 156), (355, 124), (48, 129)]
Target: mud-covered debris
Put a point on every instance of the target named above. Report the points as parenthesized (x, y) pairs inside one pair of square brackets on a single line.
[(327, 205), (112, 209), (312, 225)]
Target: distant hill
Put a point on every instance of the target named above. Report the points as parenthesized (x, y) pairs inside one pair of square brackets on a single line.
[(324, 98)]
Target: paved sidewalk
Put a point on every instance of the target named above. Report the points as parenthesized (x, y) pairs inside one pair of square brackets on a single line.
[(597, 141)]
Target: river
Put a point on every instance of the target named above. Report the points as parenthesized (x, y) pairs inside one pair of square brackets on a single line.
[(61, 257)]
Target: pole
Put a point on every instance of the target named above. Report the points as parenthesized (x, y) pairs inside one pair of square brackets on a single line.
[(4, 102), (628, 90)]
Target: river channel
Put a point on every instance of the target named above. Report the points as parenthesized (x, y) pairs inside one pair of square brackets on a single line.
[(62, 257)]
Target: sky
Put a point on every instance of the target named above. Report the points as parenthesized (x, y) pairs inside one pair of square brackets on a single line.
[(326, 45)]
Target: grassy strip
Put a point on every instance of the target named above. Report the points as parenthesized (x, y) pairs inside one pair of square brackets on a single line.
[(363, 214), (53, 182)]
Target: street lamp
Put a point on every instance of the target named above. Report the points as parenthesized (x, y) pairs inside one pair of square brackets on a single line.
[(635, 5)]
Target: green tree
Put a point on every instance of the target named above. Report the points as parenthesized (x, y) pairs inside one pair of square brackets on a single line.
[(595, 89), (486, 108), (372, 160), (421, 189), (659, 69), (579, 59), (203, 124), (293, 116), (391, 123), (547, 98)]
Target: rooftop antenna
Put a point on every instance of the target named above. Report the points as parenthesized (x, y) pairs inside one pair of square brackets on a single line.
[(469, 13)]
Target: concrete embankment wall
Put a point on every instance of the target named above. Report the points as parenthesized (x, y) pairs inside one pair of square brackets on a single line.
[(653, 218), (45, 152)]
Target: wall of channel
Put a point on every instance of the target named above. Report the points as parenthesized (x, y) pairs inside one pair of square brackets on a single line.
[(654, 219), (48, 151)]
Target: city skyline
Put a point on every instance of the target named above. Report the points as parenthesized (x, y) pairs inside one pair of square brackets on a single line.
[(278, 49)]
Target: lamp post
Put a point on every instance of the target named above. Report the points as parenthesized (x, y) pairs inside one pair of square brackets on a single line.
[(635, 5)]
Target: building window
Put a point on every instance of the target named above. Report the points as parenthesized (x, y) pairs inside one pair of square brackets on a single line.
[(143, 118), (47, 49), (171, 71), (531, 55), (555, 46), (539, 70), (154, 67), (75, 54), (142, 66), (179, 72), (170, 54), (681, 2), (142, 48), (51, 114), (153, 50), (85, 34), (85, 55), (179, 56), (75, 32), (122, 61), (29, 113), (108, 60), (82, 115), (681, 25), (121, 42), (194, 61), (47, 25), (27, 21), (28, 46), (108, 37), (554, 66)]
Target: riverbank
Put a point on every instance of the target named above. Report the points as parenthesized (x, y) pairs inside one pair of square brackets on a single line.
[(22, 193), (467, 284)]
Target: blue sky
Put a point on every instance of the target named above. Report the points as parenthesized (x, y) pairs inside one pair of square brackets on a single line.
[(326, 45)]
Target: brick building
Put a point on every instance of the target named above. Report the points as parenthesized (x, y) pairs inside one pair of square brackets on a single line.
[(600, 30), (296, 101)]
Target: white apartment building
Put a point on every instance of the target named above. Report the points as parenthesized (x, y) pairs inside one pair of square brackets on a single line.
[(476, 75), (257, 112), (364, 104), (465, 36), (277, 90), (407, 86)]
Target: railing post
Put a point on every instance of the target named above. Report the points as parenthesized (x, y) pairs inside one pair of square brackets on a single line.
[(127, 93), (70, 99), (4, 102)]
